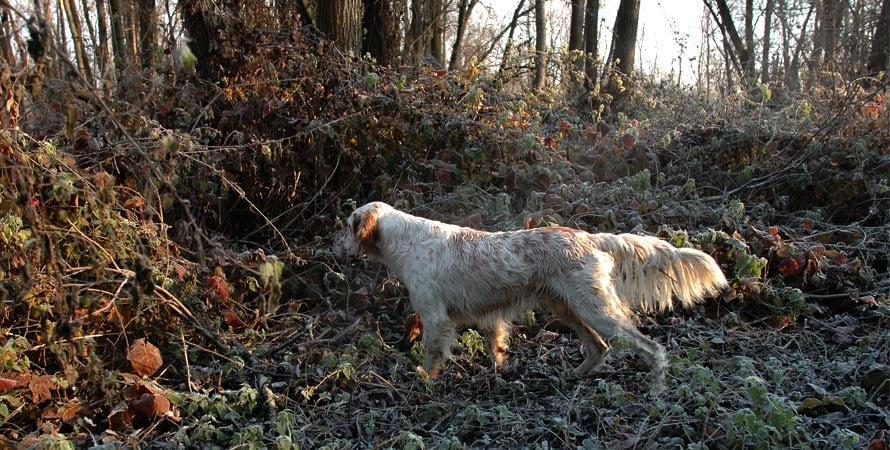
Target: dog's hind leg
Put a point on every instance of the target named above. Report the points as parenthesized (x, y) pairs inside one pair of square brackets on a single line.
[(601, 309), (595, 348)]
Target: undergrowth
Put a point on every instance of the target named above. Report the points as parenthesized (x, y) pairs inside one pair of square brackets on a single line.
[(165, 274)]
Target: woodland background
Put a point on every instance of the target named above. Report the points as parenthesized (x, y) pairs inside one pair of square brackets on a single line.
[(172, 173)]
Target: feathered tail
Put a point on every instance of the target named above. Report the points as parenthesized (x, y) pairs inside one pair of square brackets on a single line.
[(650, 273)]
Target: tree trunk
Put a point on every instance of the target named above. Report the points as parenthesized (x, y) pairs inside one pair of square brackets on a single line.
[(6, 36), (382, 40), (576, 32), (540, 45), (417, 41), (80, 53), (148, 31), (879, 60), (767, 31), (749, 42), (102, 55), (591, 42), (118, 44), (624, 41), (341, 21), (464, 9), (437, 31), (196, 22), (736, 50)]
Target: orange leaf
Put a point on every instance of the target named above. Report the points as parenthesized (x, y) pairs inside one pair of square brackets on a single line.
[(144, 357), (218, 286), (413, 327)]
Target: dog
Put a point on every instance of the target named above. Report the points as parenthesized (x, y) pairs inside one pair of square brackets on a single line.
[(459, 276)]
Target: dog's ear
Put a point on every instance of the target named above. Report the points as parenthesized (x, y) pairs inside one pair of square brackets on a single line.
[(366, 232)]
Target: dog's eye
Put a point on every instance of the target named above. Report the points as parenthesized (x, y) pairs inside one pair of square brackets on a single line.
[(355, 226)]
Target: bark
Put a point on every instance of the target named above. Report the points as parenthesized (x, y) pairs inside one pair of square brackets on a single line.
[(341, 21), (540, 45), (380, 22)]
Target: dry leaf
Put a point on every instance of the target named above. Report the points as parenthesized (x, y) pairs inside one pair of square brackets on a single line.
[(40, 387), (145, 358), (151, 405)]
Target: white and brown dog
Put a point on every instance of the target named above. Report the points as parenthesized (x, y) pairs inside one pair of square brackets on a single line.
[(592, 282)]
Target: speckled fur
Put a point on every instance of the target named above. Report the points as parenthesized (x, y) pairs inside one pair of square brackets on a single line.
[(592, 282)]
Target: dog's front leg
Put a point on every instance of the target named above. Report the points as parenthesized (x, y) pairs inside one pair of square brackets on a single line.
[(436, 345), (497, 336), (437, 332)]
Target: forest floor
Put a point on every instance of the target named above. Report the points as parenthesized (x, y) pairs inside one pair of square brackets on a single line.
[(166, 278)]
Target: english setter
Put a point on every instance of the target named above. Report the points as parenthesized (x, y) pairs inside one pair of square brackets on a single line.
[(592, 282)]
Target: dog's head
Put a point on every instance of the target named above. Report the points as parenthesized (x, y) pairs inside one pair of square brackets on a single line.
[(362, 233)]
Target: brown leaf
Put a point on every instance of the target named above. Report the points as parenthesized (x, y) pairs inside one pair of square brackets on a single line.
[(628, 140), (135, 203), (6, 384), (145, 358), (121, 417), (789, 266), (808, 224), (217, 285), (151, 405), (40, 387)]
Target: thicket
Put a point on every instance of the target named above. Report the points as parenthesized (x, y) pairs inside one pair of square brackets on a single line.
[(165, 272)]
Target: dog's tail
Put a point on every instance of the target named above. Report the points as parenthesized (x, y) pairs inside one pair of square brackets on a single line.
[(650, 273)]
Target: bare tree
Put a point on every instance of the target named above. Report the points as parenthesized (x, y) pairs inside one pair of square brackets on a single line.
[(464, 10), (80, 52), (737, 55), (511, 30)]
